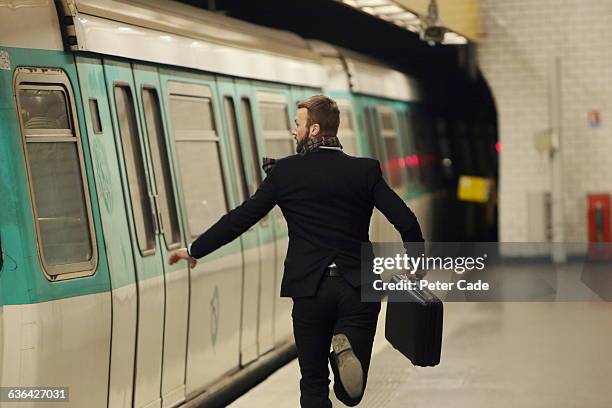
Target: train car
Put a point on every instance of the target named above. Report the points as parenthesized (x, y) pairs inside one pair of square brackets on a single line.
[(128, 128), (385, 115)]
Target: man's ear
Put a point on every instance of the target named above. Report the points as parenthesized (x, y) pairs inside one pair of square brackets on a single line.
[(315, 129)]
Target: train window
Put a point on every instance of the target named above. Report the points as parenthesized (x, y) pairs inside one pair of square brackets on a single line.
[(43, 109), (346, 131), (193, 114), (135, 169), (251, 146), (161, 166), (251, 143), (230, 115), (410, 153), (274, 116), (95, 115), (386, 121), (56, 172), (276, 129), (371, 132), (199, 155), (389, 136)]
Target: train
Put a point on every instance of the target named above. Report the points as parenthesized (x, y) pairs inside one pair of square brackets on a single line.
[(127, 129)]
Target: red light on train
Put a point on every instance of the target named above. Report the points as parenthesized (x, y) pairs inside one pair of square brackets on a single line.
[(497, 146)]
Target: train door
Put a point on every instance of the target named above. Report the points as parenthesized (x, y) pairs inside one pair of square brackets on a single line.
[(176, 277), (253, 153), (275, 108), (113, 215), (143, 204), (251, 274), (203, 162)]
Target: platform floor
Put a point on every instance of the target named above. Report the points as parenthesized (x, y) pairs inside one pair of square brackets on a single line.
[(494, 355)]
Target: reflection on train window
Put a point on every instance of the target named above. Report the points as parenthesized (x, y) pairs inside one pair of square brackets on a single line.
[(58, 184), (95, 115), (161, 166), (43, 109), (234, 138), (346, 131), (197, 147), (134, 165)]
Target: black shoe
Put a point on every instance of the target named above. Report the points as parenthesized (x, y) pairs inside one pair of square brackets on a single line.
[(348, 365)]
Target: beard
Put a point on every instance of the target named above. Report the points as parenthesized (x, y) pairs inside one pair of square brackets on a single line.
[(301, 143)]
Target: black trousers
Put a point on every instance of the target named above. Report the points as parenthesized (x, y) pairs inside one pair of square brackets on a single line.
[(336, 308)]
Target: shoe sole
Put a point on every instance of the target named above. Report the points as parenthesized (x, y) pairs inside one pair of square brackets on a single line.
[(349, 366)]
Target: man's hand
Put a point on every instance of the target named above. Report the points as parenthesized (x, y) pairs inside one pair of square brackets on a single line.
[(181, 254)]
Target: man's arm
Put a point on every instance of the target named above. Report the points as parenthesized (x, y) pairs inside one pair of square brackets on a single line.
[(393, 207), (237, 221)]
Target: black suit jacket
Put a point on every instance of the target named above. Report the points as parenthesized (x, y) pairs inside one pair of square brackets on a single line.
[(327, 198)]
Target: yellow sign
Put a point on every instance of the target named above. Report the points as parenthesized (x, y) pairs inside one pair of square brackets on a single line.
[(472, 188)]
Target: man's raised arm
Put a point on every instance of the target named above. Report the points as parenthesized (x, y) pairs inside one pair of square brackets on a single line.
[(238, 220)]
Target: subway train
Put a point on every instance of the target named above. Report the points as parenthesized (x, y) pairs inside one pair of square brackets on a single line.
[(127, 129)]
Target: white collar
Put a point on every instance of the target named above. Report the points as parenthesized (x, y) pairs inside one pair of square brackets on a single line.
[(330, 147)]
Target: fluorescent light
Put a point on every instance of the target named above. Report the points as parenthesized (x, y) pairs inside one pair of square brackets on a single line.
[(372, 3), (392, 12), (405, 15), (388, 9), (369, 10), (454, 38)]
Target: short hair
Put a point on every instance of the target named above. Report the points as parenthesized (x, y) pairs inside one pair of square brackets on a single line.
[(324, 111)]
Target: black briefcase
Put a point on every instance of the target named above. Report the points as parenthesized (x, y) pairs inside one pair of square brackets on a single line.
[(414, 324)]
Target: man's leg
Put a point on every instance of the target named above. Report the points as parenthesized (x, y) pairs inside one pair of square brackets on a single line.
[(357, 321), (313, 320)]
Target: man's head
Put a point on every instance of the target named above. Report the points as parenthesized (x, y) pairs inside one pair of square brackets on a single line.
[(317, 116)]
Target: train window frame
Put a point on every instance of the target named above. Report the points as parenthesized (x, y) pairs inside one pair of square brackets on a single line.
[(168, 179), (190, 91), (56, 79), (152, 216)]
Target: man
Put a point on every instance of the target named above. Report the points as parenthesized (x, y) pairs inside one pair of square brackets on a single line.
[(327, 198)]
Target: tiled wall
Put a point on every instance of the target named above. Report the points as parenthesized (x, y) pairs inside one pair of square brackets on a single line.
[(521, 39)]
